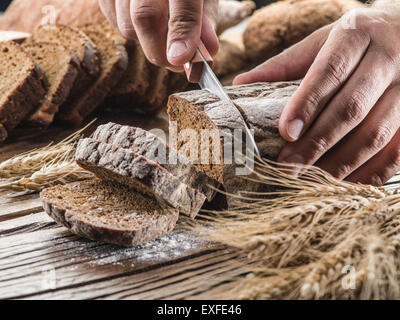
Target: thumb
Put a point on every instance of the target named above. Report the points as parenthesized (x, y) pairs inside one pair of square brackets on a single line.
[(184, 30), (291, 64)]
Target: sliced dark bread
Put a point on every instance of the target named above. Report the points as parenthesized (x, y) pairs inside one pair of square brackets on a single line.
[(22, 86), (153, 148), (110, 162), (80, 44), (114, 61), (61, 69), (108, 212)]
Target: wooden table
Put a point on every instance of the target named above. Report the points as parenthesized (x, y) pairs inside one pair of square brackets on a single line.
[(41, 260)]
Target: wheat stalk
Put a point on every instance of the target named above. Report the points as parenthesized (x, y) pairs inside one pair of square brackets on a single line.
[(304, 233), (43, 167)]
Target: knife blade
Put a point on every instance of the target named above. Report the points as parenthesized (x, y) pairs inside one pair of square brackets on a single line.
[(207, 80)]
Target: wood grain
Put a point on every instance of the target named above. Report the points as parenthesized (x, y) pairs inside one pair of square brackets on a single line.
[(41, 260)]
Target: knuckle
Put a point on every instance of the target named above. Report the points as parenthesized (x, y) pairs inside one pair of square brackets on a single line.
[(319, 145), (183, 22), (341, 171), (379, 137), (311, 102), (145, 15), (353, 109), (337, 68), (377, 180)]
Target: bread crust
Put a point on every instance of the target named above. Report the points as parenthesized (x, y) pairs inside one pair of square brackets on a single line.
[(43, 116), (22, 98), (151, 226), (112, 71), (153, 148), (110, 162)]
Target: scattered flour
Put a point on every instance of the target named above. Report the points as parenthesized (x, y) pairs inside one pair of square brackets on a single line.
[(177, 244)]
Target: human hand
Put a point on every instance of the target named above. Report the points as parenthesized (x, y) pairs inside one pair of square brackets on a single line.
[(345, 116), (169, 31)]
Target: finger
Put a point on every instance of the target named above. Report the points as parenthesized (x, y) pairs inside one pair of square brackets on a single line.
[(209, 36), (184, 29), (373, 134), (150, 20), (334, 64), (381, 167), (124, 21), (346, 110), (108, 9), (290, 64), (209, 26)]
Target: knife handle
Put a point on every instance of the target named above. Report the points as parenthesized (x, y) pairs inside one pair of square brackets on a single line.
[(194, 68)]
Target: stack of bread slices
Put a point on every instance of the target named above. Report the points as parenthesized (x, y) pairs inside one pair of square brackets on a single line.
[(62, 74)]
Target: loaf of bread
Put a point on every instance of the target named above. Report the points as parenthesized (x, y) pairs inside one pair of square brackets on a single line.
[(22, 86), (232, 12), (278, 26), (261, 105), (114, 62), (61, 68), (108, 212), (110, 162)]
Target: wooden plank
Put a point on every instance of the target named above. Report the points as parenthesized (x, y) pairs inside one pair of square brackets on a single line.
[(15, 208), (26, 224), (182, 280), (25, 257)]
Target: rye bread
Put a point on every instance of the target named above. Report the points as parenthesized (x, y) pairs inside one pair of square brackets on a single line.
[(153, 148), (22, 86), (60, 67), (108, 212), (114, 61), (260, 103), (110, 162), (80, 44)]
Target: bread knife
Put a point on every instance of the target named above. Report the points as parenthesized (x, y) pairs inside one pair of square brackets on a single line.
[(198, 70)]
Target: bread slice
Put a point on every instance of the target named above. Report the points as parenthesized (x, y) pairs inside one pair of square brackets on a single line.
[(108, 212), (22, 86), (114, 61), (61, 69), (80, 44), (113, 163), (150, 146)]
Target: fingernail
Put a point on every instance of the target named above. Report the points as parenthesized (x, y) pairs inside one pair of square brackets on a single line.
[(177, 49), (294, 128), (294, 159)]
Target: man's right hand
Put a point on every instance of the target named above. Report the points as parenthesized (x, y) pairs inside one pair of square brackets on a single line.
[(169, 31)]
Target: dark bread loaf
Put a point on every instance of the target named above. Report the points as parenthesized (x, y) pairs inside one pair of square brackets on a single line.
[(61, 69), (260, 103), (84, 49), (22, 86), (113, 163), (108, 212), (114, 61), (153, 148)]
